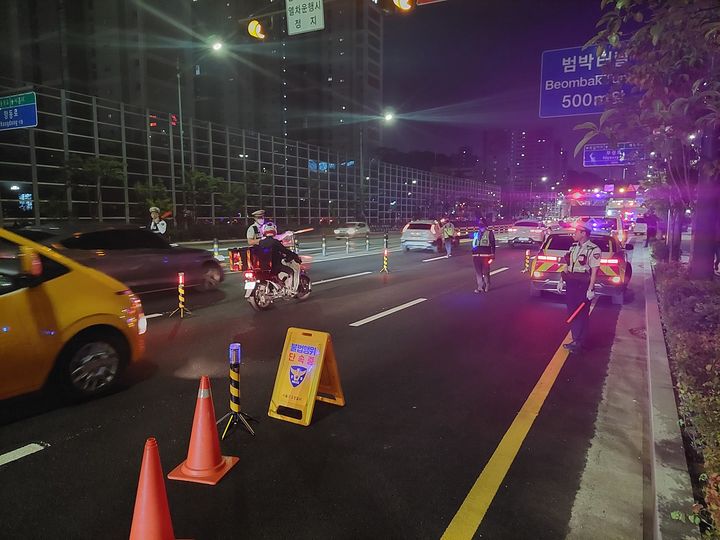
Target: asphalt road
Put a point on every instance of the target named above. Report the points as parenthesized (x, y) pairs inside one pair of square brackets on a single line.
[(431, 391)]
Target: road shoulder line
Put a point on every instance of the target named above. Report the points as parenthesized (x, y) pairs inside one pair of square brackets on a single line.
[(472, 511)]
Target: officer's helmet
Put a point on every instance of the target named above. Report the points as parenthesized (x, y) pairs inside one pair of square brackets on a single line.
[(269, 229)]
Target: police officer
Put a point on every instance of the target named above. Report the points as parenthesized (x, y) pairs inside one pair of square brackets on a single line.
[(483, 253), (254, 232), (582, 263), (284, 263), (157, 224)]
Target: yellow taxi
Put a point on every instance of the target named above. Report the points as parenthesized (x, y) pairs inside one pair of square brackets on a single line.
[(62, 322), (613, 275)]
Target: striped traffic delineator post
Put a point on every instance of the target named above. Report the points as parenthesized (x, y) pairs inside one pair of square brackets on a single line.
[(367, 241), (181, 298), (527, 261), (385, 255), (235, 415), (324, 246), (347, 245)]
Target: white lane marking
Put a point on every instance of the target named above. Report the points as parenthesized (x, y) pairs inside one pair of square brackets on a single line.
[(435, 258), (19, 453), (499, 270), (388, 312), (341, 277), (153, 315)]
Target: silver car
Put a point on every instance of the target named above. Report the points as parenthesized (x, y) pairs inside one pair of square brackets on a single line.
[(142, 260)]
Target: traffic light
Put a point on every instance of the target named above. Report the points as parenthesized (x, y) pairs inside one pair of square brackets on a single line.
[(407, 5), (255, 29)]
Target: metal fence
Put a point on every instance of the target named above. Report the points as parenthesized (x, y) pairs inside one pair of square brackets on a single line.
[(292, 180)]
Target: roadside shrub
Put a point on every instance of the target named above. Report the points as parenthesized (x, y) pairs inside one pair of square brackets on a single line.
[(691, 317), (660, 251)]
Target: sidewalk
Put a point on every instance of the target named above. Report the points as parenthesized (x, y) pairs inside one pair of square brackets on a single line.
[(636, 473)]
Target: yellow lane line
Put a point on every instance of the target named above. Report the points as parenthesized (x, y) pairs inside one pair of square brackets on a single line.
[(473, 509)]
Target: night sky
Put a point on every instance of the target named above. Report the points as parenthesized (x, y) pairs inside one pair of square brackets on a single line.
[(460, 66)]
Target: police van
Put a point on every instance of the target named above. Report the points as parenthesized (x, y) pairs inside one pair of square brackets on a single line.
[(613, 275)]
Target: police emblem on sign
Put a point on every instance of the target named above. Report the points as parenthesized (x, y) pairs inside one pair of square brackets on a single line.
[(297, 375)]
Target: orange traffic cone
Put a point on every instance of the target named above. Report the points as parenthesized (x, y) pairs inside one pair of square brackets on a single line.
[(151, 518), (204, 464)]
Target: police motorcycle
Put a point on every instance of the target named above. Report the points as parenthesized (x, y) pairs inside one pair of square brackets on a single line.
[(263, 285)]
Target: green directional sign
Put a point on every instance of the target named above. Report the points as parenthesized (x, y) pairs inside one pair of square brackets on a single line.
[(18, 111)]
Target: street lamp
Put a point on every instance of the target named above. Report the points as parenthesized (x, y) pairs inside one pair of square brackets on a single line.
[(216, 46), (387, 117)]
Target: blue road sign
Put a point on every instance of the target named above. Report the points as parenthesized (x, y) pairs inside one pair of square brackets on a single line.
[(18, 111), (573, 81), (604, 155)]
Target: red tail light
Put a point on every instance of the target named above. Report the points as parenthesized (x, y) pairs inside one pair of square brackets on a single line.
[(512, 230), (549, 258), (250, 276)]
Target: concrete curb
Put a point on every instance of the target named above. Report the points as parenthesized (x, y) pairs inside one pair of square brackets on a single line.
[(671, 485)]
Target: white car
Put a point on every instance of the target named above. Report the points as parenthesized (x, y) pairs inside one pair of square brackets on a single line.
[(351, 229), (640, 226), (526, 232), (422, 234)]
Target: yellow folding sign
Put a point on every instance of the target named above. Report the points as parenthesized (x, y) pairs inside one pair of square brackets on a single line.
[(307, 372)]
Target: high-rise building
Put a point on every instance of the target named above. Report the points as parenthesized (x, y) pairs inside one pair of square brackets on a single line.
[(493, 149), (537, 160), (323, 87)]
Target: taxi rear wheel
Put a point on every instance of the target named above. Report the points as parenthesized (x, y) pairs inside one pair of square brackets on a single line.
[(91, 363)]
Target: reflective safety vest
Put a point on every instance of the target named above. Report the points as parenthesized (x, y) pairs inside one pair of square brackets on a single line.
[(483, 241)]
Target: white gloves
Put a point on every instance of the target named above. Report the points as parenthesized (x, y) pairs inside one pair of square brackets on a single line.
[(590, 295)]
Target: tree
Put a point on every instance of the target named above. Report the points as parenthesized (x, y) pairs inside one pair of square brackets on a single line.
[(150, 195), (231, 200), (667, 96), (87, 176)]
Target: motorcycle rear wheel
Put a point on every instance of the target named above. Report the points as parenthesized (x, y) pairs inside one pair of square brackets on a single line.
[(260, 299), (304, 287)]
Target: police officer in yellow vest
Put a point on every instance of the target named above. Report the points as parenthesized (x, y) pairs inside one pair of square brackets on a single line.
[(483, 253), (582, 263)]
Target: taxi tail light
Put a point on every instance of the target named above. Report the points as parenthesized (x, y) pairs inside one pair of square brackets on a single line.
[(535, 230), (548, 258), (609, 261), (512, 230), (250, 275)]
